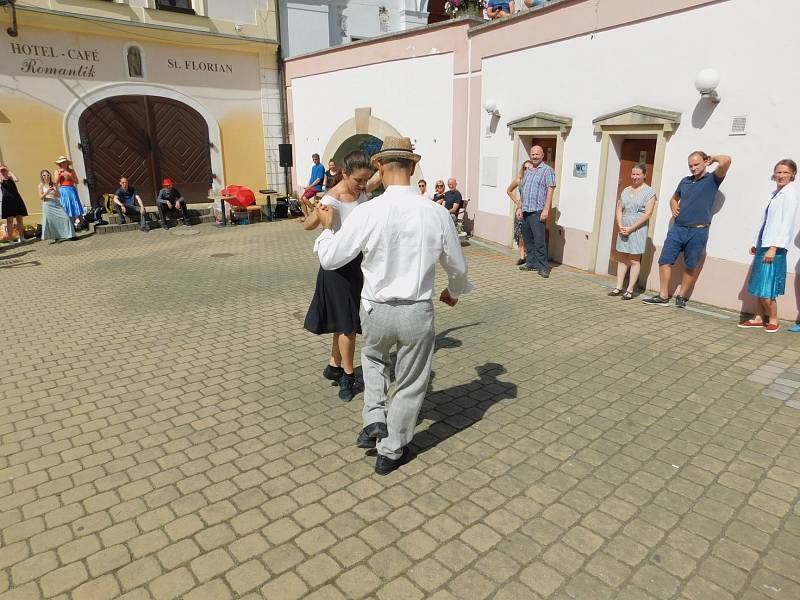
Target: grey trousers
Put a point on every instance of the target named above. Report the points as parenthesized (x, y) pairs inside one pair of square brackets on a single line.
[(409, 327)]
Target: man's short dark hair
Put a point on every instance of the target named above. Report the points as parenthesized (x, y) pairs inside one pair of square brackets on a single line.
[(315, 155), (402, 162)]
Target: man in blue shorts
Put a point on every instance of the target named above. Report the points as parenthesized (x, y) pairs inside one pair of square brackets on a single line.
[(691, 206)]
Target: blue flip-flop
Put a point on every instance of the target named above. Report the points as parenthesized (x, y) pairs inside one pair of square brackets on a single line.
[(795, 328)]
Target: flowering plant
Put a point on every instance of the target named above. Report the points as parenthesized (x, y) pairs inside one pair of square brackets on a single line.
[(456, 8)]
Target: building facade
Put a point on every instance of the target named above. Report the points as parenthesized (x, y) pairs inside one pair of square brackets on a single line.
[(148, 89), (599, 86), (310, 25)]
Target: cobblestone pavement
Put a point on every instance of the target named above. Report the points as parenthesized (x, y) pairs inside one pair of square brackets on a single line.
[(165, 433)]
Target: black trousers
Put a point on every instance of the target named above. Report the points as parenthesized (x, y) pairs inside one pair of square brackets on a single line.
[(131, 209), (179, 205), (533, 230)]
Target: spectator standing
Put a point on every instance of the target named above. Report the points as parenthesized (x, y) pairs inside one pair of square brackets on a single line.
[(634, 209), (315, 182), (56, 223), (772, 240), (12, 206), (514, 186), (536, 192), (67, 179), (496, 9), (691, 206), (126, 201)]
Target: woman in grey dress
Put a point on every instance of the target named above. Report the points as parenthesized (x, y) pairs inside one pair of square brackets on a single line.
[(634, 208), (56, 223)]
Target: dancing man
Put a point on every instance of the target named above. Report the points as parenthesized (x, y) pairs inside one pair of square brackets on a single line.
[(402, 235)]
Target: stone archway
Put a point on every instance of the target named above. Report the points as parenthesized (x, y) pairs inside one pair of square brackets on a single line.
[(360, 133)]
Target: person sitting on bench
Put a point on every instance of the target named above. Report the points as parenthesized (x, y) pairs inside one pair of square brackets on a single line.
[(169, 199), (127, 200)]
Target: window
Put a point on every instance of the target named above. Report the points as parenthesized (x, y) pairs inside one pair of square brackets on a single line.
[(182, 6)]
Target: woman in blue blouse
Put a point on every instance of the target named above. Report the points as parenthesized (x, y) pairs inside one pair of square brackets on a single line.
[(774, 234)]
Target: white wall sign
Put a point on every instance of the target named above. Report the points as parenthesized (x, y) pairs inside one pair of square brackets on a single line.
[(580, 170), (489, 173)]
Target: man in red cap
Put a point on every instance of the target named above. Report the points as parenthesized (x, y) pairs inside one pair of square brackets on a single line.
[(169, 198)]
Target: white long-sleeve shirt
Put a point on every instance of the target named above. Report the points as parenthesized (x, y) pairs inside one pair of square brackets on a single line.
[(402, 236), (780, 219)]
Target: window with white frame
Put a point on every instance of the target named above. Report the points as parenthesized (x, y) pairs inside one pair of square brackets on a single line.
[(182, 6)]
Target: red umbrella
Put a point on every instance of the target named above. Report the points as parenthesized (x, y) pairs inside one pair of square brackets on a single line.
[(239, 195)]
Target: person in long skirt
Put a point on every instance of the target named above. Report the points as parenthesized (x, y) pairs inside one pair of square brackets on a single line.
[(334, 308), (56, 224), (12, 206), (634, 209), (514, 185), (67, 180), (773, 237)]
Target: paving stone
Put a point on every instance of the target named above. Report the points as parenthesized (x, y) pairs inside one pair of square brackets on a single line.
[(629, 461)]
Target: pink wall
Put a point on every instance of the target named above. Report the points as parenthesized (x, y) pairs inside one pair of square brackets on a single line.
[(561, 20)]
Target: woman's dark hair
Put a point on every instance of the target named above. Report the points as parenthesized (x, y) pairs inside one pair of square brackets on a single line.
[(641, 166), (787, 162), (422, 181), (356, 160)]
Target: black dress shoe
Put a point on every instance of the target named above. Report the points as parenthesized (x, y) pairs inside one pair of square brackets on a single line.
[(346, 385), (520, 261), (333, 373), (544, 273), (526, 268), (385, 465), (371, 434)]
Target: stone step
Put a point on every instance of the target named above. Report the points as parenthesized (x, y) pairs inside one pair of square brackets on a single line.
[(152, 215), (154, 224)]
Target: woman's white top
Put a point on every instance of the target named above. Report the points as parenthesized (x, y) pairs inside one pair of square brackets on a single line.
[(342, 209), (778, 218)]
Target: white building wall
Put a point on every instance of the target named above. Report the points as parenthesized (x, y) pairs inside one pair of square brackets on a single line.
[(645, 63), (238, 11), (310, 25), (321, 103)]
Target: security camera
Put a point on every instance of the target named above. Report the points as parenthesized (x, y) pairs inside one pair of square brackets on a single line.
[(706, 83)]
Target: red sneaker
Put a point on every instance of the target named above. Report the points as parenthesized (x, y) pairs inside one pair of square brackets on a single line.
[(751, 323), (772, 327)]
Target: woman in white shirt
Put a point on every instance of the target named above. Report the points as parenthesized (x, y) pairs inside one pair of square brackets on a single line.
[(334, 308), (773, 236)]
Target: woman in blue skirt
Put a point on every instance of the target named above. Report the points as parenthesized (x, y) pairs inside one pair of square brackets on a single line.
[(774, 234), (67, 181)]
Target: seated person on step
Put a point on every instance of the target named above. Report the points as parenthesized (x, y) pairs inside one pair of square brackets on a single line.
[(127, 201), (170, 199)]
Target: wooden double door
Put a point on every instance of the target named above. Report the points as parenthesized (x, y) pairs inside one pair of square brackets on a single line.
[(146, 139)]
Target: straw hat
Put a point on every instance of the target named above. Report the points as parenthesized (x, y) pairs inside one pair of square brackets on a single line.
[(396, 147), (62, 159)]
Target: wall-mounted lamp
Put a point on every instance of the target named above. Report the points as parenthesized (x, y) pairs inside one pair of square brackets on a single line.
[(12, 31), (490, 106), (706, 83)]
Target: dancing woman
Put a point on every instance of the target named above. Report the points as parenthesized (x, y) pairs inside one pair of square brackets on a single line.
[(334, 308), (56, 224), (67, 179)]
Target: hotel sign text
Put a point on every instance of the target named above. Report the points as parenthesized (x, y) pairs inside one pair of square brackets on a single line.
[(49, 60)]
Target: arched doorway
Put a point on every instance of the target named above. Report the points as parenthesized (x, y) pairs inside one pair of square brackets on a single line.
[(361, 141), (145, 138)]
